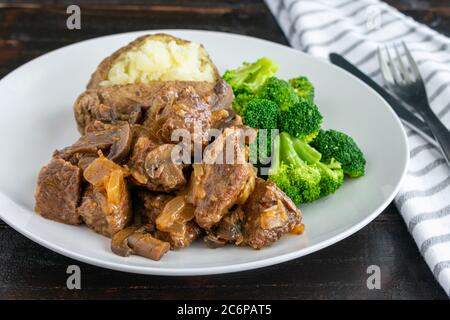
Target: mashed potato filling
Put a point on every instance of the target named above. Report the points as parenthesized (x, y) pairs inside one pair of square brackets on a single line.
[(159, 60)]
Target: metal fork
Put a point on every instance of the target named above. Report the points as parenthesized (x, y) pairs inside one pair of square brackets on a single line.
[(403, 78)]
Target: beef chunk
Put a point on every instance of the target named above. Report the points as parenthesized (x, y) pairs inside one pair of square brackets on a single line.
[(138, 240), (106, 205), (100, 215), (184, 109), (218, 188), (149, 205), (269, 214), (222, 180), (58, 192), (151, 165)]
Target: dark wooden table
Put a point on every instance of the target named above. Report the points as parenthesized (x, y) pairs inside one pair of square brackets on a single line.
[(27, 270)]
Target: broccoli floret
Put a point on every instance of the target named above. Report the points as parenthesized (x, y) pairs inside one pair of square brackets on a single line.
[(303, 88), (337, 145), (331, 174), (261, 114), (298, 171), (295, 177), (250, 76), (301, 120), (240, 102), (332, 177), (279, 91)]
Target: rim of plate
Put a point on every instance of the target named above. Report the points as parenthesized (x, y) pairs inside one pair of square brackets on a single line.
[(168, 271)]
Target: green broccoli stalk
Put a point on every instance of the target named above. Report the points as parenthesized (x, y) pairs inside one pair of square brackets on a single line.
[(261, 114), (331, 174), (305, 151), (337, 145), (301, 120), (250, 76), (303, 88), (291, 174), (279, 91)]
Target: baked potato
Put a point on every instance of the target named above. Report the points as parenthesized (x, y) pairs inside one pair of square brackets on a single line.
[(153, 70), (157, 57)]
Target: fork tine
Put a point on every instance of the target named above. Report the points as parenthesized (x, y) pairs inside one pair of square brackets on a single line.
[(403, 70), (385, 71), (394, 70), (415, 73)]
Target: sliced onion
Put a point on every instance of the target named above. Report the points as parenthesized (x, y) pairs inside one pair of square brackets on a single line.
[(298, 229), (115, 187), (247, 189), (139, 177), (197, 192), (97, 173), (274, 216), (174, 216)]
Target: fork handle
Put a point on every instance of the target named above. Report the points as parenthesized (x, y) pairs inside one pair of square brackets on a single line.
[(440, 132)]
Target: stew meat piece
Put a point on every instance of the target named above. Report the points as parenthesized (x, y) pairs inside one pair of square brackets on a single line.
[(100, 215), (179, 109), (58, 192), (219, 183), (218, 190), (149, 205), (269, 215), (106, 204)]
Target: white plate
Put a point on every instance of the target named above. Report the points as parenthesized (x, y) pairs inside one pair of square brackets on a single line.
[(36, 118)]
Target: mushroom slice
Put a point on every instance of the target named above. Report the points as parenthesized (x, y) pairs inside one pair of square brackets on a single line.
[(121, 143), (163, 170), (228, 230), (229, 227), (119, 242), (213, 241), (115, 138), (137, 240), (145, 245)]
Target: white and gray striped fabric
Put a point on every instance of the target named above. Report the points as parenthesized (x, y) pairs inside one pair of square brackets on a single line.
[(355, 29)]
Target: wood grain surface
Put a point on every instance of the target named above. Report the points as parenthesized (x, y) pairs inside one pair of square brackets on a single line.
[(28, 271)]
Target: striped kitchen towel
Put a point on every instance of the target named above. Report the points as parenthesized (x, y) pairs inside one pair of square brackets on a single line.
[(355, 29)]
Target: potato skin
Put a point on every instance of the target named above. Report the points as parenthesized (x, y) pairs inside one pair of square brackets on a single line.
[(101, 73)]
